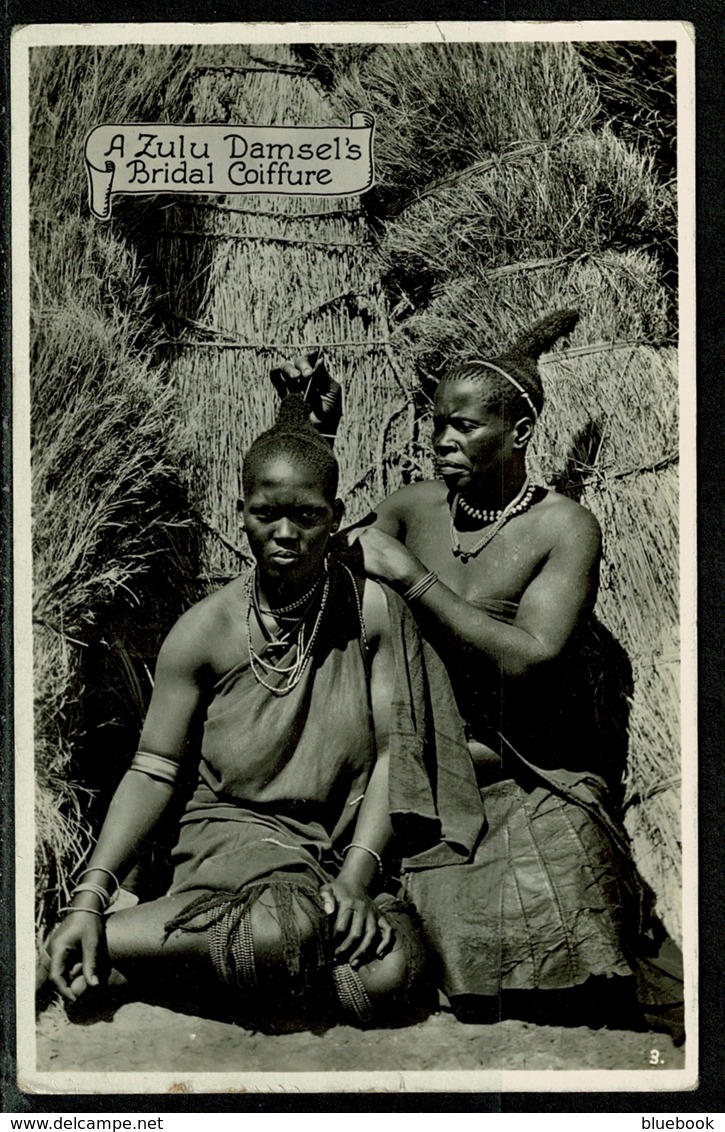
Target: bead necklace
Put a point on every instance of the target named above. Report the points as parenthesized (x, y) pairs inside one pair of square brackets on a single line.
[(517, 506), (275, 641), (293, 672), (281, 613), (476, 513), (304, 600), (358, 603)]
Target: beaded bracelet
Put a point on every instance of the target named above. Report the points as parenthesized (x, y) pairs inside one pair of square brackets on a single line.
[(358, 845), (421, 586)]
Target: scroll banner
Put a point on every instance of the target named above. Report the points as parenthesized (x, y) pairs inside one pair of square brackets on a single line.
[(142, 159)]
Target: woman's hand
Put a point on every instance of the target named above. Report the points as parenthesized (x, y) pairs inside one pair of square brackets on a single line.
[(309, 377), (79, 937), (383, 558), (360, 932)]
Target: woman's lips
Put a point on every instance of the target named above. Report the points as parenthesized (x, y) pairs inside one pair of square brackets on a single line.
[(449, 468)]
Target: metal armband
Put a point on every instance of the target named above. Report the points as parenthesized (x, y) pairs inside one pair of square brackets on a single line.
[(156, 766)]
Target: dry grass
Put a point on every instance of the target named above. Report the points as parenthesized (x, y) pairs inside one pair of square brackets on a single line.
[(278, 277), (108, 509), (585, 196), (636, 84), (442, 108), (618, 293)]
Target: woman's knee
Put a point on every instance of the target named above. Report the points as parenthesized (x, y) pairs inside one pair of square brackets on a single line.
[(401, 972), (392, 986), (388, 975), (273, 938)]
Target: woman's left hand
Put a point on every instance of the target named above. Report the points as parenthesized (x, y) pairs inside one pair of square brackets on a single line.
[(383, 558), (360, 932)]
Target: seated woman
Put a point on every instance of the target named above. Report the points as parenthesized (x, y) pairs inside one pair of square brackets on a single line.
[(513, 854), (279, 854)]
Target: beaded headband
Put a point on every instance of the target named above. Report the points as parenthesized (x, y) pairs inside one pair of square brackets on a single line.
[(514, 382)]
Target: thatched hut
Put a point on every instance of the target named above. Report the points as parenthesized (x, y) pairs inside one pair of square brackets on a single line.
[(282, 276)]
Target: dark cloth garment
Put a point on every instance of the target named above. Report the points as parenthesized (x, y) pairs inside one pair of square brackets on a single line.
[(525, 883), (540, 905), (556, 713), (281, 777)]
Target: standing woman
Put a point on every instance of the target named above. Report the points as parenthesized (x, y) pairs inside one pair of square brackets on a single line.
[(276, 886), (513, 856)]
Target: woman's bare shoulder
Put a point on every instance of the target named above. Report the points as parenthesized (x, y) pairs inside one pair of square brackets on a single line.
[(415, 497), (191, 640), (568, 519)]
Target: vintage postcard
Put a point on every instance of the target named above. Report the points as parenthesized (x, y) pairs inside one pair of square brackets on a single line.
[(354, 557)]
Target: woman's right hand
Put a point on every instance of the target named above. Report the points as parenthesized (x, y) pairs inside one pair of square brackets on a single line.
[(79, 938), (360, 930), (308, 375)]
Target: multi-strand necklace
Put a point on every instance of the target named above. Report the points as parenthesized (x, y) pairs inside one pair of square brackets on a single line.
[(295, 637), (282, 612), (517, 506)]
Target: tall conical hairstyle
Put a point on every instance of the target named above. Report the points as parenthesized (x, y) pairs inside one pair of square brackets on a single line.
[(513, 377), (294, 438)]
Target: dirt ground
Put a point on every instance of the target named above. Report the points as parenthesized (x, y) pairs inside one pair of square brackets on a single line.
[(130, 1036)]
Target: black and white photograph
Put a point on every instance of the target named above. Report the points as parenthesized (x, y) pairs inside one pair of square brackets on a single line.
[(354, 418)]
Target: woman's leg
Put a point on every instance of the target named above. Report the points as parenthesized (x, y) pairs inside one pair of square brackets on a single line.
[(392, 985), (269, 937), (288, 949), (135, 943), (140, 933)]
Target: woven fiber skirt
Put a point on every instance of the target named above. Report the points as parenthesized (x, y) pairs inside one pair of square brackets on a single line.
[(543, 905)]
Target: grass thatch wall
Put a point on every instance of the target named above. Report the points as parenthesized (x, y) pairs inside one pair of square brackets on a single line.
[(611, 423), (504, 190), (281, 276)]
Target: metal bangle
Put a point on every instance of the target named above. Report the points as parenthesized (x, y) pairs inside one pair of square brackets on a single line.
[(95, 888), (421, 586), (93, 911), (366, 849), (100, 869), (156, 766)]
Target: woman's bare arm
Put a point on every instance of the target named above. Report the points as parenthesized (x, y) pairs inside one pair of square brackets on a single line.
[(553, 604), (139, 801)]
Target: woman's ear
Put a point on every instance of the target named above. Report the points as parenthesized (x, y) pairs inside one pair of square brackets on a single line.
[(338, 510), (523, 431)]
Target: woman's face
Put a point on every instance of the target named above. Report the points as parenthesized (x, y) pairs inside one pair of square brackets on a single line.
[(471, 442), (288, 522)]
